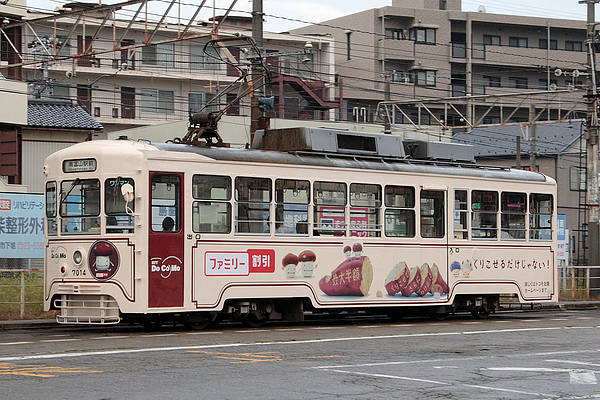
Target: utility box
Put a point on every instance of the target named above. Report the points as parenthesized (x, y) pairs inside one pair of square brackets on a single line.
[(422, 150)]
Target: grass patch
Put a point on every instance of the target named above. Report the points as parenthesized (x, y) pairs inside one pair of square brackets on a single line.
[(10, 292)]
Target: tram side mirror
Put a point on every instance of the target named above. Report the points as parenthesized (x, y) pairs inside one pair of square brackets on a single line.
[(127, 192)]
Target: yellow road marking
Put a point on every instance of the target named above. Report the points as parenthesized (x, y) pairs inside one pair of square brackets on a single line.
[(40, 371), (241, 358)]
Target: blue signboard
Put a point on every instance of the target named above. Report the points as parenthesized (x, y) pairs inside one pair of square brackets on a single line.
[(21, 225), (562, 226)]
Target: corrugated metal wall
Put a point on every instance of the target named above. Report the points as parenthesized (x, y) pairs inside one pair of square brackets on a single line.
[(34, 154)]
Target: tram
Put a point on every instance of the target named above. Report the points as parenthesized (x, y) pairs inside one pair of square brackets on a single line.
[(306, 219)]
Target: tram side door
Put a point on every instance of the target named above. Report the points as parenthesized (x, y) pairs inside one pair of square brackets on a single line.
[(166, 240)]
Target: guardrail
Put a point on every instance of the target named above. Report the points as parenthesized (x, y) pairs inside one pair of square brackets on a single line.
[(19, 288), (579, 282)]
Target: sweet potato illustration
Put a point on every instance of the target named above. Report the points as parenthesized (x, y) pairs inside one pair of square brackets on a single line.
[(426, 280), (437, 279), (414, 282), (352, 277), (397, 279)]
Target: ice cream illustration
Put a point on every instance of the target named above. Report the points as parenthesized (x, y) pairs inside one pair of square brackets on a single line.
[(455, 268), (466, 268), (290, 261), (307, 263)]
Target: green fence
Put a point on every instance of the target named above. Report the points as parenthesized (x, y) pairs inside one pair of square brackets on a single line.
[(21, 294)]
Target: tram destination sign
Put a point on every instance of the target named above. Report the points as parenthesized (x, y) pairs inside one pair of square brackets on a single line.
[(81, 165), (21, 225)]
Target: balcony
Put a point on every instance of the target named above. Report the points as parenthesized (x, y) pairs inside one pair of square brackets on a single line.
[(394, 49), (528, 56)]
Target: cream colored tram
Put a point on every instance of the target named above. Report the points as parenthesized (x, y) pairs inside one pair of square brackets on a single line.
[(170, 231)]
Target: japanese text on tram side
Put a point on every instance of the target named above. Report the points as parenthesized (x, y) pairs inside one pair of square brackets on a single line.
[(239, 263), (345, 277), (511, 263)]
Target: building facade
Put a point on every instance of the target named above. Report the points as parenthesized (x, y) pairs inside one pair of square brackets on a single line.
[(165, 82), (432, 49)]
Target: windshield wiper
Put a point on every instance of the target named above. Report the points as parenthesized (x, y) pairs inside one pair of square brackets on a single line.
[(64, 196)]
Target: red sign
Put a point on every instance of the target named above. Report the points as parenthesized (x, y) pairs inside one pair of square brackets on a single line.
[(5, 205), (261, 260)]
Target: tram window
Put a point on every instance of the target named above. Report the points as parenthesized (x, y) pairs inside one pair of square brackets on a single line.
[(365, 202), (118, 220), (329, 200), (209, 187), (211, 216), (51, 208), (484, 214), (80, 206), (166, 213), (400, 213), (461, 215), (512, 219), (432, 214), (540, 216), (291, 207), (253, 196)]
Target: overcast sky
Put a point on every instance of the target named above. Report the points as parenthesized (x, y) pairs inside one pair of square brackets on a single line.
[(316, 11)]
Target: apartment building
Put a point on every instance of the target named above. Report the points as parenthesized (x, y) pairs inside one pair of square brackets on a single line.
[(164, 82), (432, 49)]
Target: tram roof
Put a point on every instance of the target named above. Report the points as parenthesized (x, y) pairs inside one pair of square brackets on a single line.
[(357, 162)]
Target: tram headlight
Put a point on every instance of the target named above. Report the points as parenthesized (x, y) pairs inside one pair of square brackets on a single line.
[(77, 257)]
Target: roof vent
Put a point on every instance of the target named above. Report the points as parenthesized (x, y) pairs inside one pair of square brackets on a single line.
[(322, 140), (422, 150)]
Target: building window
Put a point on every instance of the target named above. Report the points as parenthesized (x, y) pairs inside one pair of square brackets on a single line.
[(553, 44), (514, 41), (348, 49), (492, 81), (399, 76), (157, 101), (518, 83), (395, 34), (199, 60), (423, 35), (577, 179), (544, 83), (491, 40), (159, 54), (571, 45), (423, 78), (61, 91), (443, 4)]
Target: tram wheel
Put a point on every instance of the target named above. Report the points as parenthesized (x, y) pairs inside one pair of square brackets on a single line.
[(153, 323), (253, 321), (480, 312), (197, 321), (439, 316)]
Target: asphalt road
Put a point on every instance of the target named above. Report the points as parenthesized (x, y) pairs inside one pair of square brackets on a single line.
[(540, 355)]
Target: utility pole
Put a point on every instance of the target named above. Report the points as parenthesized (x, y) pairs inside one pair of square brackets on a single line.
[(387, 128), (257, 35), (532, 138), (591, 136)]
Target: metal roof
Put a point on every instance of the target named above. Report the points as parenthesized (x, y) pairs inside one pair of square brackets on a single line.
[(501, 141), (358, 162), (52, 113)]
